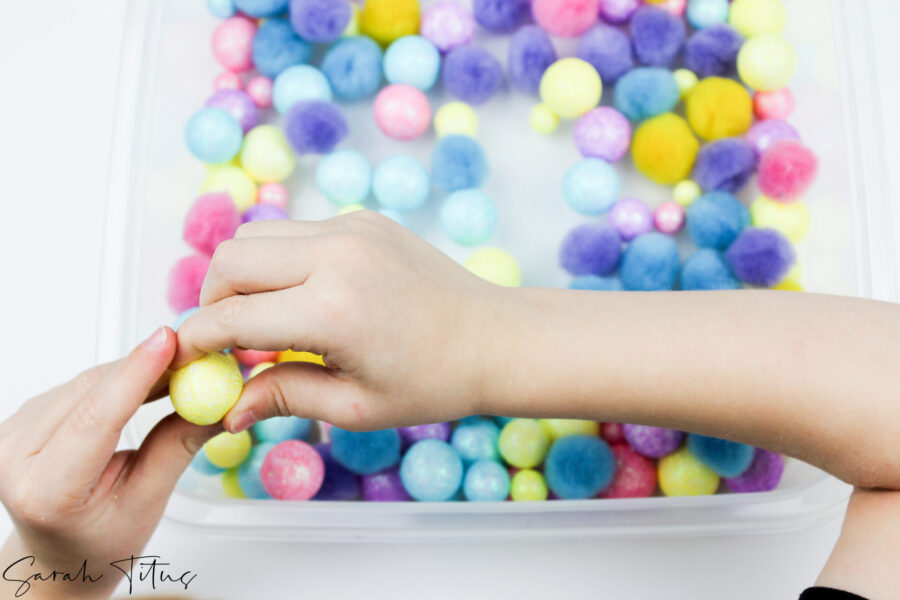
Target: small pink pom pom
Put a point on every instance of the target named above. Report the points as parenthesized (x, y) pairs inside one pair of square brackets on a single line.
[(260, 90), (635, 475), (786, 170), (669, 218), (228, 80), (232, 44), (612, 433), (675, 7), (292, 470), (565, 18), (274, 194), (212, 219), (773, 105), (402, 112), (251, 358), (185, 281)]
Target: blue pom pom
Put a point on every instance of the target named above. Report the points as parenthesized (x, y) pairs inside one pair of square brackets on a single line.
[(716, 219), (299, 84), (728, 459), (486, 481), (657, 36), (725, 165), (501, 16), (249, 472), (413, 60), (431, 471), (707, 270), (221, 9), (202, 465), (365, 452), (761, 257), (650, 263), (591, 186), (458, 163), (260, 9), (472, 74), (279, 429), (353, 67), (591, 249), (401, 183), (339, 483), (706, 13), (713, 52), (579, 467), (609, 51), (476, 440), (530, 53), (213, 135), (315, 127), (276, 47), (503, 421), (320, 21), (468, 217), (595, 283), (646, 92)]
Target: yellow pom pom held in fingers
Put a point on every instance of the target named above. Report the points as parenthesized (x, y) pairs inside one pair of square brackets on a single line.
[(571, 87), (307, 357), (719, 108), (204, 391), (388, 20), (664, 149)]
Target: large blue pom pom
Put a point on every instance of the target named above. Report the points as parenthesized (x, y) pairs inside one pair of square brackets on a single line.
[(728, 459), (276, 47), (458, 163), (353, 68), (579, 466), (716, 219), (707, 270), (365, 452), (650, 263)]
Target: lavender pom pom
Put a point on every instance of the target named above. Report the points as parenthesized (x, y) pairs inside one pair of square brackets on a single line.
[(472, 74), (315, 127), (320, 21), (713, 52), (761, 257), (591, 249), (530, 53), (657, 36), (608, 50), (725, 165), (501, 16)]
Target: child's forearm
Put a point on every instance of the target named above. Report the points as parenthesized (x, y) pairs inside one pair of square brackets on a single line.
[(815, 377)]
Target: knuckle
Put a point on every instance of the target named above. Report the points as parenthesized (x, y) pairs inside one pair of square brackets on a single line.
[(279, 395), (31, 508), (245, 230), (86, 417), (86, 381), (229, 311), (224, 257)]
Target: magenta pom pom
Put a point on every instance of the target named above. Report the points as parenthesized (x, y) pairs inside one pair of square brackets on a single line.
[(669, 218), (239, 105), (275, 194), (773, 105), (315, 127), (786, 170), (260, 89), (635, 475), (232, 44), (185, 281), (212, 219), (761, 257), (565, 18)]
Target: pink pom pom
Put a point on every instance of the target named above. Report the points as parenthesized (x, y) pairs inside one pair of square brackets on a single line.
[(675, 7), (402, 112), (292, 470), (565, 18), (212, 219), (260, 90), (669, 218), (773, 105), (185, 281), (232, 44), (274, 194), (612, 433), (228, 80), (251, 358), (786, 170), (635, 475)]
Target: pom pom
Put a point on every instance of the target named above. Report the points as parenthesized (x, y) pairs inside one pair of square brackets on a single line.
[(263, 212), (635, 475), (664, 149), (669, 218), (300, 83), (543, 120), (315, 127), (386, 486), (344, 177), (653, 442), (402, 111), (267, 156), (686, 81), (571, 87), (523, 443), (276, 47), (232, 44), (447, 25), (650, 263), (761, 257), (365, 452), (261, 9), (646, 92), (228, 450), (431, 471), (686, 192), (719, 108), (565, 18), (233, 181), (657, 36), (496, 266), (707, 270), (591, 249), (472, 74), (702, 14), (713, 51), (401, 183), (417, 433), (185, 281), (603, 133), (320, 21), (292, 470), (773, 105), (792, 219), (591, 186), (456, 118), (528, 485), (212, 219), (412, 60), (251, 358), (612, 433), (682, 474), (608, 50), (725, 165), (204, 391), (763, 475), (227, 80), (339, 483), (353, 68), (786, 170), (239, 105), (558, 428), (765, 133), (501, 16), (387, 20), (468, 217), (213, 136), (476, 439), (756, 17), (486, 481), (716, 220), (766, 63), (279, 429), (530, 54), (727, 459), (221, 9), (618, 12), (594, 283), (260, 89), (579, 466), (631, 218)]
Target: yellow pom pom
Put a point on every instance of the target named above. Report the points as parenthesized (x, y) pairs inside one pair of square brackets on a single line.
[(543, 120), (681, 474), (260, 368), (495, 265), (266, 154), (231, 485), (686, 80), (719, 108), (528, 486), (524, 443), (307, 357), (351, 208), (791, 219), (557, 428), (791, 281), (664, 149), (766, 63), (232, 180), (204, 391), (228, 450), (387, 20), (571, 87), (686, 193), (456, 118), (353, 26), (755, 17)]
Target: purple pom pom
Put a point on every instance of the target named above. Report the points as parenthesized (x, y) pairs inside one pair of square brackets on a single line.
[(763, 475), (530, 53), (618, 12), (725, 165), (384, 487), (472, 74), (608, 50), (339, 483), (713, 52), (761, 257), (657, 36), (320, 21), (653, 442), (239, 105), (765, 133), (591, 249), (501, 16), (417, 433), (264, 212), (315, 127)]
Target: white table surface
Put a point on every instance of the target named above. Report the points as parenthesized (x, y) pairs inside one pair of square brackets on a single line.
[(60, 63)]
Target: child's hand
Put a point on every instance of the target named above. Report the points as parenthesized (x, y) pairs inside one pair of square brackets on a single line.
[(71, 496), (403, 329)]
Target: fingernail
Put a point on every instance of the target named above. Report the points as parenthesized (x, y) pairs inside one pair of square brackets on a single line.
[(156, 340), (242, 422)]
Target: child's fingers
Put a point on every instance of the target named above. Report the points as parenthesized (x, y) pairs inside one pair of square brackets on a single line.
[(281, 228)]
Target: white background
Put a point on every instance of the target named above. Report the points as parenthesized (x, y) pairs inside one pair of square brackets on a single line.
[(60, 63)]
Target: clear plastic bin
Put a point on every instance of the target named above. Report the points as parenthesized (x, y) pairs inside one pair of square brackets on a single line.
[(167, 74)]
